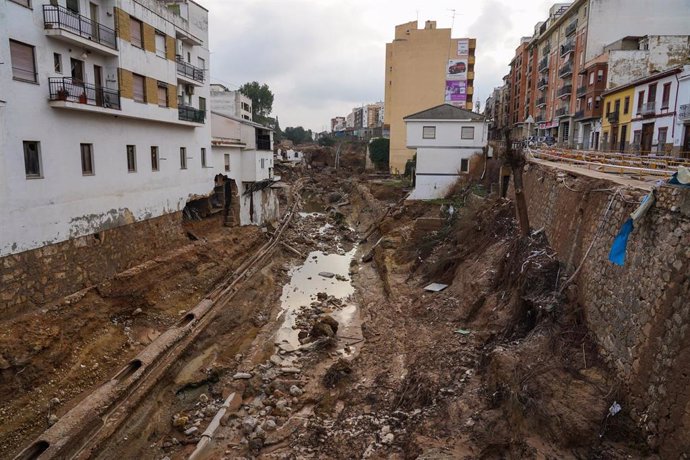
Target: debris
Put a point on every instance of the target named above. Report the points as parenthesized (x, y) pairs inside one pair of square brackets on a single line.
[(191, 431), (52, 419), (435, 287), (463, 332), (242, 376), (337, 372), (248, 424), (614, 409), (327, 274), (296, 391)]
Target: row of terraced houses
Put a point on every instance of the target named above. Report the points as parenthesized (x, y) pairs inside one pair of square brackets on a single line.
[(601, 74)]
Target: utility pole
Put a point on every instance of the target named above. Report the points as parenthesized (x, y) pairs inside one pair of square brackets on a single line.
[(516, 160)]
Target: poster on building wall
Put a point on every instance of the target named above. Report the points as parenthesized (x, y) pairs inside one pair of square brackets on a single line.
[(463, 48), (456, 91), (457, 69)]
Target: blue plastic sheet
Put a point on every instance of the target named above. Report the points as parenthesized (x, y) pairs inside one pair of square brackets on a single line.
[(620, 244)]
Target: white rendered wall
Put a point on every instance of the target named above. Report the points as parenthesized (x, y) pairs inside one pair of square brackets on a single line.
[(683, 98), (447, 134)]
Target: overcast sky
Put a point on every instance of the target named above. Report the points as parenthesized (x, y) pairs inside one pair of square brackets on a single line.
[(321, 58)]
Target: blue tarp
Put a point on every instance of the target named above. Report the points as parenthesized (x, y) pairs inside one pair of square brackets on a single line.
[(617, 253)]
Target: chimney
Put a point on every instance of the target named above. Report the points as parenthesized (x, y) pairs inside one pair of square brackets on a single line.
[(430, 25)]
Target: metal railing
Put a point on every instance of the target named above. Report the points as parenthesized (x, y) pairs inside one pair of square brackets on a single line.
[(187, 113), (59, 17), (71, 90), (648, 108), (544, 64), (579, 114), (262, 143), (543, 83), (541, 101), (581, 91), (684, 112), (567, 47), (565, 70), (562, 111), (188, 70), (571, 28), (612, 117), (565, 90)]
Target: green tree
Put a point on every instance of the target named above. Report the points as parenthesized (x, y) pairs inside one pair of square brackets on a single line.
[(262, 99), (326, 141), (298, 135), (379, 150)]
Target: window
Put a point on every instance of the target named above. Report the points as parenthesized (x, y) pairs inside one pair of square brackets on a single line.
[(73, 6), (202, 104), (201, 62), (87, 159), (154, 158), (57, 62), (467, 132), (32, 159), (617, 106), (160, 44), (23, 62), (589, 103), (162, 94), (640, 101), (139, 88), (136, 32), (651, 96), (663, 132), (183, 157), (600, 76), (597, 102), (429, 132), (26, 3), (76, 69), (227, 162), (203, 157), (608, 108), (637, 137), (666, 95), (263, 163), (591, 78), (465, 165), (132, 158), (626, 105)]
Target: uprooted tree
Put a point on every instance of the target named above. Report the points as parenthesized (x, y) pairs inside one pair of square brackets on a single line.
[(514, 158)]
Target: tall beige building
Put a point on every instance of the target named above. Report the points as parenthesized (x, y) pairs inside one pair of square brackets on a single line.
[(424, 68)]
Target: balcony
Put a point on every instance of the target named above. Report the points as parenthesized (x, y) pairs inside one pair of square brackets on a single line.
[(544, 64), (579, 114), (581, 91), (541, 101), (263, 142), (563, 111), (647, 109), (684, 112), (565, 90), (61, 23), (187, 113), (189, 72), (543, 83), (70, 91), (572, 27), (612, 117), (567, 47), (546, 49), (540, 118), (566, 70)]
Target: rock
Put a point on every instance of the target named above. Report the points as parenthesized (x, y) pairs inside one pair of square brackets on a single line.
[(327, 274), (269, 425), (191, 431), (275, 359), (52, 419), (290, 370), (179, 421), (238, 357), (321, 296), (388, 439), (340, 278), (286, 347), (54, 401), (296, 391), (242, 376), (138, 311), (256, 443), (325, 327), (385, 430), (248, 424), (203, 398), (259, 432)]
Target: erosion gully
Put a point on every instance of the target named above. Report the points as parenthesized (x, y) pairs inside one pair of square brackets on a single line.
[(265, 354)]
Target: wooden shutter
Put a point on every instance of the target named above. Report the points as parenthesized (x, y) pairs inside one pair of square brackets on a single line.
[(139, 92), (23, 63), (136, 32), (162, 95)]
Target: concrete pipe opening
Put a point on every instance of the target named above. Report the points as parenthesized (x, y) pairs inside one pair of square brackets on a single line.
[(34, 451), (128, 370), (186, 319)]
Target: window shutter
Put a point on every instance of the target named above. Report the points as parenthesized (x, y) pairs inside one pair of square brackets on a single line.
[(23, 64), (136, 32), (162, 96), (138, 88), (160, 45)]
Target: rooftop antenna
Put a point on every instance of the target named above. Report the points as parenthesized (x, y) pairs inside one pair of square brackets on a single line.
[(452, 22)]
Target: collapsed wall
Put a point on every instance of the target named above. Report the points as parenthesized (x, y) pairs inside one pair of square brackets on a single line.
[(35, 277), (638, 313)]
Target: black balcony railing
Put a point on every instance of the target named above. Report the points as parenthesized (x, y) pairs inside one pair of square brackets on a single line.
[(579, 114), (540, 119), (565, 70), (263, 142), (568, 47), (581, 91), (188, 70), (58, 17), (571, 28), (612, 117), (541, 101), (565, 90), (546, 50), (187, 113), (543, 83), (561, 112), (71, 90), (544, 64)]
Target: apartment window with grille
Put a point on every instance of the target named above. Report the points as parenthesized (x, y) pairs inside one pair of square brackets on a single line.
[(131, 158), (666, 95), (162, 94), (202, 104), (465, 165), (626, 105), (87, 166), (160, 44), (429, 132), (467, 132), (154, 158), (139, 88), (23, 62), (227, 162), (203, 157), (136, 32), (32, 159), (183, 157), (57, 62)]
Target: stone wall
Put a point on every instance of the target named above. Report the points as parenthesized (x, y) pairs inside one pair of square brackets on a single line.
[(639, 313), (35, 277)]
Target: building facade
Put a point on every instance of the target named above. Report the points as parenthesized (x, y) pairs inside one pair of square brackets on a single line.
[(230, 102), (103, 120), (424, 68)]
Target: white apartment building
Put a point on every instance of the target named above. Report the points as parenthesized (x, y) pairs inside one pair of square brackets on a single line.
[(243, 154), (230, 102), (103, 115), (445, 138)]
